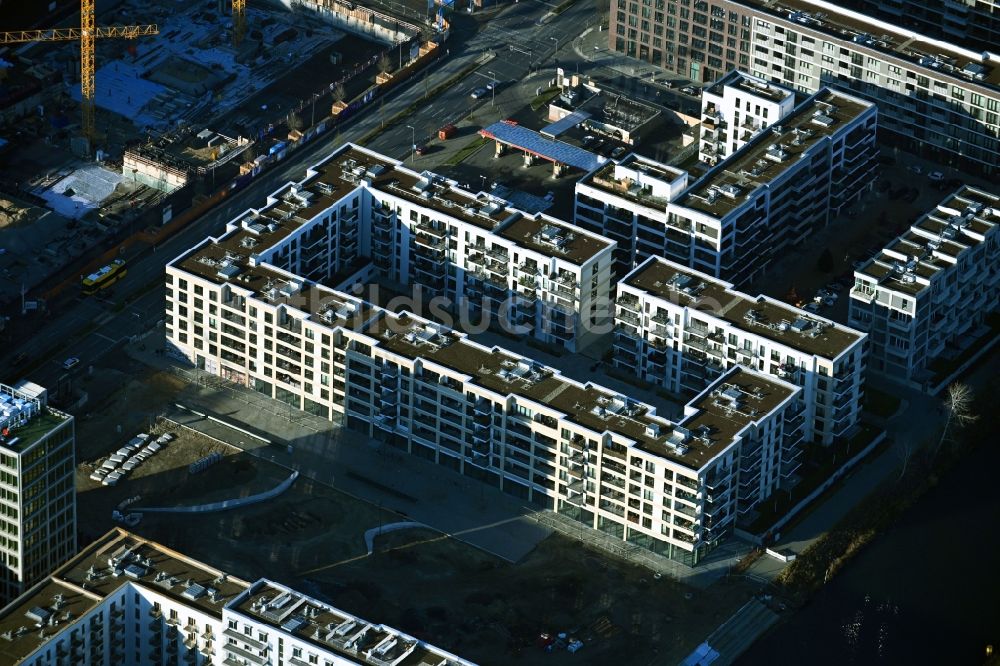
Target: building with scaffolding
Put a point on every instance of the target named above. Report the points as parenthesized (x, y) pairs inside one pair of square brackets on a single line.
[(37, 488), (127, 600), (682, 330), (782, 185), (927, 294)]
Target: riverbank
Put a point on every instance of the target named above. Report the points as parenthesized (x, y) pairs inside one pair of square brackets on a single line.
[(924, 590)]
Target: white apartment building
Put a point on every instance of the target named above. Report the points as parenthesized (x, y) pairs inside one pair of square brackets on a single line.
[(37, 488), (359, 215), (581, 449), (926, 294), (681, 330), (735, 109), (126, 600), (770, 195), (486, 412), (627, 202)]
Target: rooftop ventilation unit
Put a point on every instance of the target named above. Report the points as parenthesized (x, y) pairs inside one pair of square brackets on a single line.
[(823, 119), (731, 190)]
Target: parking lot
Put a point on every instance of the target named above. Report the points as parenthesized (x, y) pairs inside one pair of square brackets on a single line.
[(905, 188)]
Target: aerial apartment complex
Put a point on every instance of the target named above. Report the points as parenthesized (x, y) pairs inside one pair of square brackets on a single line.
[(358, 215), (37, 488), (682, 330), (936, 97), (775, 190), (931, 288), (587, 451), (126, 600)]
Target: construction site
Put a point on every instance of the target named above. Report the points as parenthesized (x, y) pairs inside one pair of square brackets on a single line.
[(104, 137)]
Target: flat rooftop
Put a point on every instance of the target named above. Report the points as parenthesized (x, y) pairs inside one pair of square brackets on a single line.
[(614, 179), (26, 419), (551, 238), (115, 559), (591, 406), (750, 84), (935, 242), (330, 629), (762, 316), (736, 400), (884, 37), (727, 186)]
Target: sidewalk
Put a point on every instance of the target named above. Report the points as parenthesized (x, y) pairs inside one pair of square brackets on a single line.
[(323, 451)]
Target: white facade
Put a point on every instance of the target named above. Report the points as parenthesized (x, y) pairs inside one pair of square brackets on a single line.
[(37, 489), (626, 201), (681, 330), (771, 194), (125, 600), (932, 287), (737, 108), (474, 253)]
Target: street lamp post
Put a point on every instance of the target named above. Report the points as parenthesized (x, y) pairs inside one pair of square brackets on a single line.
[(413, 142), (555, 54), (493, 89)]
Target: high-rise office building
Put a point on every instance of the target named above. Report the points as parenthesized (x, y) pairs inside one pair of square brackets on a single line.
[(37, 488)]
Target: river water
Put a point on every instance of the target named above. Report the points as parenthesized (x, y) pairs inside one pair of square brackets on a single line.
[(926, 592)]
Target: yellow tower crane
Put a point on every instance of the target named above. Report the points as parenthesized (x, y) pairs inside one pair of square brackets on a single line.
[(86, 35), (239, 20)]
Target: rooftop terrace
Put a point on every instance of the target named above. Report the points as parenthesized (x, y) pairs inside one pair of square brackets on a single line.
[(618, 179), (727, 187), (761, 315), (334, 630), (25, 419), (591, 406), (749, 84), (935, 242), (827, 18)]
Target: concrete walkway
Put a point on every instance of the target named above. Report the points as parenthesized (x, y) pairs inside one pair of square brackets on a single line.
[(348, 461)]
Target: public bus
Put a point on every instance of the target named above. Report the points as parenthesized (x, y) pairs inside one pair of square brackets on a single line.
[(104, 277)]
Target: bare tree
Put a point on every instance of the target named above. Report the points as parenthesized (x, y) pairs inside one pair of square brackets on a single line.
[(384, 64), (958, 410), (339, 93), (294, 122)]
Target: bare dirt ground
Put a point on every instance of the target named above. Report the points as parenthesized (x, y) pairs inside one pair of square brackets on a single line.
[(439, 589), (447, 592)]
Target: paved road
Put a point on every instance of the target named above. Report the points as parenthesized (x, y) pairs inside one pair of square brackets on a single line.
[(520, 25)]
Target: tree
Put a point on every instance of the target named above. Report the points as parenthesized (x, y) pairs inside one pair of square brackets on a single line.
[(294, 122), (339, 94), (825, 262), (958, 410), (384, 64)]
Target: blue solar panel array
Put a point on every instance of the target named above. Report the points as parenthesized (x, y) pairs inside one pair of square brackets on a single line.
[(560, 126), (533, 142)]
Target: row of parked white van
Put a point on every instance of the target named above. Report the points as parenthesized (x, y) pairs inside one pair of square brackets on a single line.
[(130, 456)]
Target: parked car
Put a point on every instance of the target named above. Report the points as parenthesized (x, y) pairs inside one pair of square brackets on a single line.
[(618, 152), (811, 307), (493, 85), (421, 150), (71, 363), (935, 177), (479, 93)]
